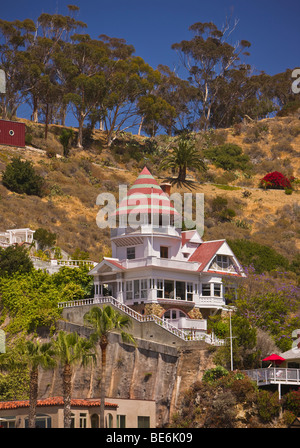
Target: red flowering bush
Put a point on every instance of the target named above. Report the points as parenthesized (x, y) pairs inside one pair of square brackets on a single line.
[(275, 180)]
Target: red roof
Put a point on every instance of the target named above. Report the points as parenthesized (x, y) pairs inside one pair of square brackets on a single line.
[(205, 252), (114, 262), (146, 196), (53, 401)]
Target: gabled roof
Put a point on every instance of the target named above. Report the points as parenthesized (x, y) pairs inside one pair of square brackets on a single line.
[(205, 252), (190, 236), (113, 263), (146, 196)]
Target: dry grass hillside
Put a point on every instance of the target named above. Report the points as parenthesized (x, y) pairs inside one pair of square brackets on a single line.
[(69, 208)]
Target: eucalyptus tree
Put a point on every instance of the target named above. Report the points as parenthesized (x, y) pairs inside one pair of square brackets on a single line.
[(104, 321), (52, 31), (208, 57), (70, 350), (128, 78), (83, 66), (15, 39)]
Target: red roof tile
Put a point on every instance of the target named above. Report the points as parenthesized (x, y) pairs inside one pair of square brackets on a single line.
[(53, 401), (114, 262), (205, 252)]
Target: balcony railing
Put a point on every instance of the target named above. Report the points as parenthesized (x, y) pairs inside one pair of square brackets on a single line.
[(160, 262), (188, 335), (145, 229), (275, 375)]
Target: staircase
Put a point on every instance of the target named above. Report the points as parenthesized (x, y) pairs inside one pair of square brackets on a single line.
[(210, 339)]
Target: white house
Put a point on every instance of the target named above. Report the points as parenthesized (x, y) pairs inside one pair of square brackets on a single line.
[(160, 269)]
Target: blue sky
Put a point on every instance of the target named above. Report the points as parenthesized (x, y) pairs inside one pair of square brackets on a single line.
[(153, 26)]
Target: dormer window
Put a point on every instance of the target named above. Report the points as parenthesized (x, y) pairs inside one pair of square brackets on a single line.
[(130, 253)]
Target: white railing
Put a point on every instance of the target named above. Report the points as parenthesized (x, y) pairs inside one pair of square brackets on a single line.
[(74, 263), (274, 375), (152, 260), (186, 336)]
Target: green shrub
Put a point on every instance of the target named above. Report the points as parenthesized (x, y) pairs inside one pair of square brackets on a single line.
[(214, 374), (64, 139), (268, 405), (228, 156), (263, 258), (20, 177)]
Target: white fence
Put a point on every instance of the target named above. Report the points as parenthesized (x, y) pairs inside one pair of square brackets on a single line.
[(186, 336), (275, 375)]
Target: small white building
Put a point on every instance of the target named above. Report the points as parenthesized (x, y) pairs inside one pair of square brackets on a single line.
[(162, 270), (16, 236)]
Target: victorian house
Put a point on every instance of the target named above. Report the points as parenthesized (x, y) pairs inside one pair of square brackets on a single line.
[(159, 269)]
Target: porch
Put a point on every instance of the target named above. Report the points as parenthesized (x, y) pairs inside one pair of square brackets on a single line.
[(160, 290), (274, 375)]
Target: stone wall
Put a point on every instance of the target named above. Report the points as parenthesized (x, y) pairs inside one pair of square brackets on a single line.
[(160, 367)]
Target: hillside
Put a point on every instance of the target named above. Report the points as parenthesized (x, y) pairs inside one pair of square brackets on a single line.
[(69, 208)]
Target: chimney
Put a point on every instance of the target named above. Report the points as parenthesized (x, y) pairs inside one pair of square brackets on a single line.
[(166, 188)]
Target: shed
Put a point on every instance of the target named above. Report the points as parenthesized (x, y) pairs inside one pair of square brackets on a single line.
[(12, 133)]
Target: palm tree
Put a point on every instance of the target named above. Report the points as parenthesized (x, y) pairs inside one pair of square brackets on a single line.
[(32, 355), (71, 349), (184, 155), (37, 355), (105, 321)]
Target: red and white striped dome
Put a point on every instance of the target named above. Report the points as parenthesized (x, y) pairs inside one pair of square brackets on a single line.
[(145, 196)]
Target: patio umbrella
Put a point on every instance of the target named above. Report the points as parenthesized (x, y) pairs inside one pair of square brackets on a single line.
[(276, 359)]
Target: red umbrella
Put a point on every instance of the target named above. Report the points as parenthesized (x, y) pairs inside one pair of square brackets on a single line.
[(274, 358)]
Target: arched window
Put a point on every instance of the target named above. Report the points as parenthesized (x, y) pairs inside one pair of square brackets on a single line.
[(109, 421)]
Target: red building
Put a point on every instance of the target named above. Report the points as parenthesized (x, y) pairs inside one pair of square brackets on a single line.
[(12, 133)]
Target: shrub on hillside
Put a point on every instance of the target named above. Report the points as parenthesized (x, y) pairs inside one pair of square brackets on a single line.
[(275, 180), (228, 156), (263, 258), (20, 177)]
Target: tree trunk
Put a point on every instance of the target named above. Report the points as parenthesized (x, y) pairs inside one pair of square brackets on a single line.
[(182, 173), (80, 131), (46, 121), (103, 346), (33, 393), (35, 118), (67, 389)]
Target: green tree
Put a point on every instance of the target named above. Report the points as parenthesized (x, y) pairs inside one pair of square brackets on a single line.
[(15, 38), (105, 321), (20, 177), (70, 350), (208, 57), (184, 156), (14, 259), (37, 355), (44, 238)]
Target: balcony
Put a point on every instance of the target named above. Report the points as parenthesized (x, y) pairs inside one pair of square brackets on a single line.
[(160, 262), (145, 229)]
